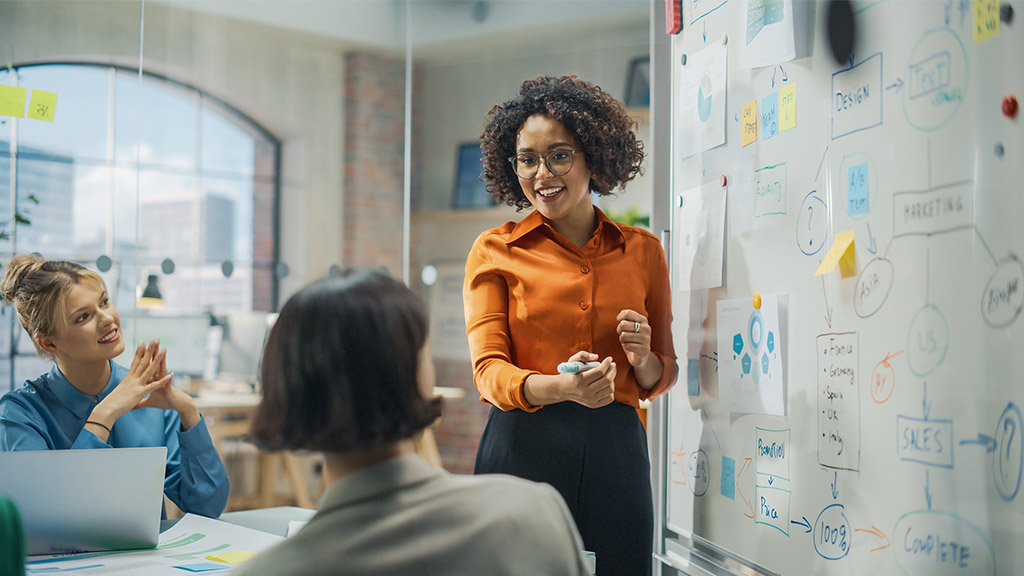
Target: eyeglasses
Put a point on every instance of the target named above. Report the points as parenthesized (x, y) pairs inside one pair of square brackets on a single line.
[(558, 161)]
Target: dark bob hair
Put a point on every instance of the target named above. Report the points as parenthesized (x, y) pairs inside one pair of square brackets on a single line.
[(601, 124), (340, 365)]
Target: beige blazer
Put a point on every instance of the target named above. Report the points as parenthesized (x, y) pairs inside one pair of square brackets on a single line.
[(404, 517)]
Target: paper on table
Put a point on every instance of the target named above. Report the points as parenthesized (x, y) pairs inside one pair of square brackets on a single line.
[(750, 358), (700, 237), (189, 541)]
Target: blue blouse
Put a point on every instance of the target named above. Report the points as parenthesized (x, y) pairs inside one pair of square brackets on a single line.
[(48, 413)]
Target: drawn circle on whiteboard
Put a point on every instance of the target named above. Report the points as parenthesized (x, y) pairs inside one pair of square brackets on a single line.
[(936, 83), (1003, 297), (704, 101), (873, 286), (1008, 458), (858, 182), (883, 381), (927, 340), (832, 533), (812, 224), (698, 473)]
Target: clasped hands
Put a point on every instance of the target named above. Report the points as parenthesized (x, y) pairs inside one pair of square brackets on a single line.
[(595, 388), (147, 385)]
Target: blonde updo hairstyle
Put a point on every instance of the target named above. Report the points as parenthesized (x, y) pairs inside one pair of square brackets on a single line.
[(38, 289)]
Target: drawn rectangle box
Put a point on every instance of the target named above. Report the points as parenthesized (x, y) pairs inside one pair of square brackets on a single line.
[(773, 447), (929, 75), (838, 400), (857, 97), (770, 190), (772, 507), (934, 211), (925, 441)]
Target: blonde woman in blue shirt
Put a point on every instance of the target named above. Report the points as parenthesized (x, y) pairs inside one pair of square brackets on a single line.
[(88, 401)]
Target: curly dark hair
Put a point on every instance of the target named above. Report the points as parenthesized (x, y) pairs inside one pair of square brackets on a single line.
[(600, 123)]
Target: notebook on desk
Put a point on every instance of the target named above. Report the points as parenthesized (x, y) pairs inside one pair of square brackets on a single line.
[(86, 500)]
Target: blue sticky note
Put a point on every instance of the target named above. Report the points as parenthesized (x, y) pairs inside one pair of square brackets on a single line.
[(693, 377), (857, 190), (728, 480), (203, 567), (770, 115)]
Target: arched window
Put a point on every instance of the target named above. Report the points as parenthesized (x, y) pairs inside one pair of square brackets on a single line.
[(138, 177)]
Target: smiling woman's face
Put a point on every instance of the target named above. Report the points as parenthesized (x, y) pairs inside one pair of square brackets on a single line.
[(90, 329), (556, 197)]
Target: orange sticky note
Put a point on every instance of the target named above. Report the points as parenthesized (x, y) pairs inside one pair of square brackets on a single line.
[(748, 123), (43, 105), (841, 253), (787, 107), (232, 557), (12, 101)]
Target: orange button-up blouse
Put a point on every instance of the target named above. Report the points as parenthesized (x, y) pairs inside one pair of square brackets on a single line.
[(533, 299)]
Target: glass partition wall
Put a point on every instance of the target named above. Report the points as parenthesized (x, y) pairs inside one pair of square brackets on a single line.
[(226, 153)]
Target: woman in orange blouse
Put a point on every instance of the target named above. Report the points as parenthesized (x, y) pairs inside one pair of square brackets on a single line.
[(567, 284)]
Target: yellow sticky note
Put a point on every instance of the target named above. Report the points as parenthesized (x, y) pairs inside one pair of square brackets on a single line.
[(43, 105), (986, 20), (232, 557), (841, 253), (12, 101), (748, 123), (787, 107)]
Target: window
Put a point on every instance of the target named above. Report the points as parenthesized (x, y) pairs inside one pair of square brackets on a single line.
[(155, 176)]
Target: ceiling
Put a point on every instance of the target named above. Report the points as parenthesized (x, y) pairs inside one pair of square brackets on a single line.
[(382, 23)]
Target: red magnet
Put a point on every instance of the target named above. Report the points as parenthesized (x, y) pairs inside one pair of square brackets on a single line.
[(1010, 106), (724, 181)]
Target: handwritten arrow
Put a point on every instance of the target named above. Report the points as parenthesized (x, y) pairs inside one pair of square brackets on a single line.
[(785, 77), (805, 524), (770, 478), (750, 509), (984, 440), (773, 77), (746, 464), (877, 534), (947, 10), (828, 309), (706, 31), (835, 485), (926, 406), (895, 85), (890, 356), (928, 488), (871, 241)]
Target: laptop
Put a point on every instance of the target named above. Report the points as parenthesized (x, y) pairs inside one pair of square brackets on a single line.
[(86, 500)]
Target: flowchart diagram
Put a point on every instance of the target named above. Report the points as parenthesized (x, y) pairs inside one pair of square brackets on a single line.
[(930, 535)]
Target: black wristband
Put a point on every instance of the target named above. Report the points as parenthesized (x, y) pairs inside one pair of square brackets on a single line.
[(100, 424)]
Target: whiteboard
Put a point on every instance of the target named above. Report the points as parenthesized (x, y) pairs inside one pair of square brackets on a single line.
[(900, 450)]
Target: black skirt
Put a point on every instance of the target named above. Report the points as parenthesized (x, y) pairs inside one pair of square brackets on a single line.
[(597, 459)]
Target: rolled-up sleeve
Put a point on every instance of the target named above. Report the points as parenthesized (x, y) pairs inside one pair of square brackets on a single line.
[(485, 297)]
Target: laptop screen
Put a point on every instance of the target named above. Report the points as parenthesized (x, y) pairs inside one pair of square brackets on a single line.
[(86, 500)]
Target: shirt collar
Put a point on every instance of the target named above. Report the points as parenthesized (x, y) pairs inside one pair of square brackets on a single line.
[(72, 398), (536, 220), (382, 478)]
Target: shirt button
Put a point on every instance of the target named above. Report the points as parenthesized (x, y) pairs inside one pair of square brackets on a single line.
[(95, 400), (583, 346), (585, 269), (584, 305)]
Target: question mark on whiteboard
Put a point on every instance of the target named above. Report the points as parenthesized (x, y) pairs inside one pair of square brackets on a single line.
[(810, 214), (1013, 427)]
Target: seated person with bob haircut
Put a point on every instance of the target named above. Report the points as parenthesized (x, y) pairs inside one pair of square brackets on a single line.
[(347, 371)]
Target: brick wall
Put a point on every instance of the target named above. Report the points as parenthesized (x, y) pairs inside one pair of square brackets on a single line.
[(373, 166)]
